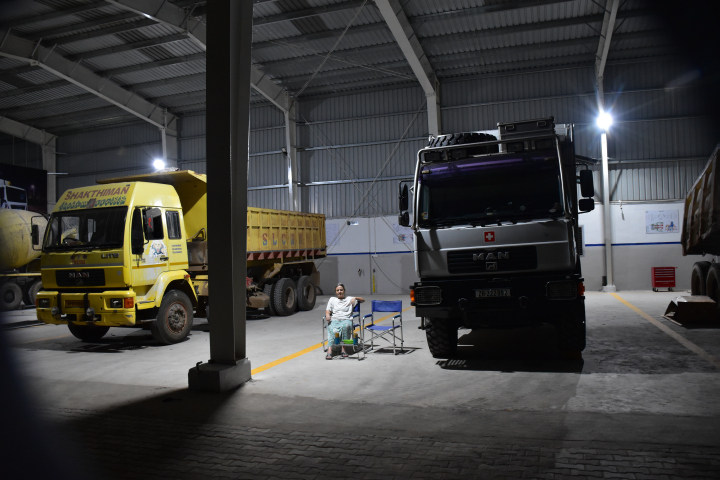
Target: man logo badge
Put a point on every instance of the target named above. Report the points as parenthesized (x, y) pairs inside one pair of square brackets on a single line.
[(491, 256), (491, 266)]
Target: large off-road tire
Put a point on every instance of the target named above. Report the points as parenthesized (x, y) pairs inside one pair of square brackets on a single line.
[(284, 297), (571, 331), (174, 319), (10, 296), (87, 333), (712, 286), (268, 290), (30, 293), (459, 139), (698, 278), (442, 337), (306, 293)]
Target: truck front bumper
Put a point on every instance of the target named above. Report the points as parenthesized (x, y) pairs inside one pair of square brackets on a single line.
[(108, 309), (530, 300)]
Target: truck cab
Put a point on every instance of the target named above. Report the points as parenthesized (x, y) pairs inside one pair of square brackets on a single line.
[(115, 255), (12, 197), (496, 232)]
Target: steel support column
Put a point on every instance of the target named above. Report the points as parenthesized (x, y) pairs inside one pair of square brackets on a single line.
[(607, 215), (228, 111), (169, 148), (49, 162), (291, 155), (608, 25)]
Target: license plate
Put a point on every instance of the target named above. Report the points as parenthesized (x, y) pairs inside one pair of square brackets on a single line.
[(74, 304), (492, 292)]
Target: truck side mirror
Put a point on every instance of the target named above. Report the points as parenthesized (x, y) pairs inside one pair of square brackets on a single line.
[(404, 219), (587, 186), (586, 205), (403, 197)]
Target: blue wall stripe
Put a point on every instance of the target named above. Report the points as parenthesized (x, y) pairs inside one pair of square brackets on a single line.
[(632, 244), (365, 253)]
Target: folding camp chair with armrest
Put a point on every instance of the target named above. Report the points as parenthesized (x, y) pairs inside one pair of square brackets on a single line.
[(392, 332), (355, 349)]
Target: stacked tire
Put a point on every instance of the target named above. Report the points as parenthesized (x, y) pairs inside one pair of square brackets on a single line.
[(459, 139), (705, 280)]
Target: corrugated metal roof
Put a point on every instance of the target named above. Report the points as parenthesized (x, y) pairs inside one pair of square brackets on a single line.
[(460, 38)]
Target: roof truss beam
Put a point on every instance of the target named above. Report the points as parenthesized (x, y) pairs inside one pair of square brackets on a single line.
[(305, 13), (36, 54), (49, 103), (50, 15), (26, 132), (169, 14), (96, 22), (606, 32)]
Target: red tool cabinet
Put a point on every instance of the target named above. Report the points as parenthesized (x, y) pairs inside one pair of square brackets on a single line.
[(663, 277)]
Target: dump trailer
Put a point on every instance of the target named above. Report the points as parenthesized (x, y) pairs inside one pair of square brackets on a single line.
[(701, 232), (132, 252), (497, 240), (19, 261)]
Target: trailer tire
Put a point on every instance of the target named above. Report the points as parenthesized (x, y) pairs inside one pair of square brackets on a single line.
[(571, 331), (284, 297), (712, 287), (698, 278), (268, 290), (87, 333), (306, 293), (441, 337), (174, 319), (10, 296), (30, 293)]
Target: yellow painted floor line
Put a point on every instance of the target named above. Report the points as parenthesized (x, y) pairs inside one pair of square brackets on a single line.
[(279, 361), (682, 340)]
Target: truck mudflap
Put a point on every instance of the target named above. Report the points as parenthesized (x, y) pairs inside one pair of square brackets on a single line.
[(109, 309), (500, 301)]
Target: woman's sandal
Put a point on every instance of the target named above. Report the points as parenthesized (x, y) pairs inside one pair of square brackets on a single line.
[(344, 355), (328, 356)]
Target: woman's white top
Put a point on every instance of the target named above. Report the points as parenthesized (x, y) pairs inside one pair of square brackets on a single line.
[(341, 309)]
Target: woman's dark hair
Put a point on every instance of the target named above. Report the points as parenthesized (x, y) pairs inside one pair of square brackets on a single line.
[(340, 285)]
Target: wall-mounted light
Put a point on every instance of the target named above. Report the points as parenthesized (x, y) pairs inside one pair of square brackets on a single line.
[(604, 120), (158, 164)]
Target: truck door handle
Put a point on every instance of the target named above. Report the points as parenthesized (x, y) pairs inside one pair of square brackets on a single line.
[(164, 259)]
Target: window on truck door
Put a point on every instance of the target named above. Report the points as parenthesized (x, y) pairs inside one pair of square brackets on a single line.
[(152, 220), (173, 225)]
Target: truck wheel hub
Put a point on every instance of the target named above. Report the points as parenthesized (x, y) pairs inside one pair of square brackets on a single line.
[(176, 317)]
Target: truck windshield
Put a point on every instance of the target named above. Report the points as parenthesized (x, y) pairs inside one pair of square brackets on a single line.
[(16, 195), (490, 189), (86, 229)]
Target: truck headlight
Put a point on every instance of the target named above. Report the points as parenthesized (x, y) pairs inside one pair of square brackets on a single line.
[(563, 290), (44, 302), (428, 296), (116, 303)]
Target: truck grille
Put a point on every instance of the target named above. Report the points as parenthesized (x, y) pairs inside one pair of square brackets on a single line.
[(490, 260), (428, 296), (80, 278)]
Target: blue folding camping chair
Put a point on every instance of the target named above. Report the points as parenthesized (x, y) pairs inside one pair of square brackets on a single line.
[(356, 349), (390, 333)]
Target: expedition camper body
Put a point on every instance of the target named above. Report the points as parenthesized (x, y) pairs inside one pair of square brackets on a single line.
[(497, 242), (133, 252)]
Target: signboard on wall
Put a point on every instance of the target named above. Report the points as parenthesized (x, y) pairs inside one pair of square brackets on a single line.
[(23, 188), (662, 221)]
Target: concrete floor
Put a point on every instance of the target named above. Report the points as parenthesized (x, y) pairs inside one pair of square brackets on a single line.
[(635, 389)]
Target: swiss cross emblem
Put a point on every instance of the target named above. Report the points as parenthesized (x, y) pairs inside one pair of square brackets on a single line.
[(489, 236)]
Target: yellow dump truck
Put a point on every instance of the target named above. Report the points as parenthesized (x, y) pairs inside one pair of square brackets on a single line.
[(701, 230), (19, 261), (132, 252)]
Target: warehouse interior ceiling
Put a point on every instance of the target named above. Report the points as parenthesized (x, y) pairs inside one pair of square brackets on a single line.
[(74, 65)]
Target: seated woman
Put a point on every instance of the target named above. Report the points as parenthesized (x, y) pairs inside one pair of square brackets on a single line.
[(338, 314)]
